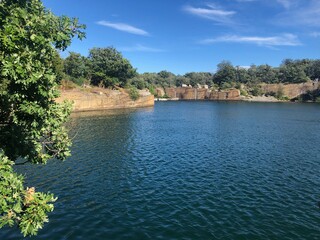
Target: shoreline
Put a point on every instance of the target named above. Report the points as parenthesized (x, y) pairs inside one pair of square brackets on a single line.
[(99, 99), (241, 99)]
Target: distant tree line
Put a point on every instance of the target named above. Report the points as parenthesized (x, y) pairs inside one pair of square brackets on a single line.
[(107, 67)]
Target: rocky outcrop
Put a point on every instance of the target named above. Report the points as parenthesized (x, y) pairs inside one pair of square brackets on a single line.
[(232, 94), (291, 90), (160, 92), (100, 99), (187, 93)]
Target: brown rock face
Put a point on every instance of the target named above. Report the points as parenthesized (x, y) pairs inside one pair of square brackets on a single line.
[(185, 93), (104, 99), (291, 90), (160, 92)]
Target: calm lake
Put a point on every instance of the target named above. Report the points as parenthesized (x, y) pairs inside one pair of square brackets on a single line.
[(187, 170)]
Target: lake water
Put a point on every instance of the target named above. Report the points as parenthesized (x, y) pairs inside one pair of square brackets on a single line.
[(187, 170)]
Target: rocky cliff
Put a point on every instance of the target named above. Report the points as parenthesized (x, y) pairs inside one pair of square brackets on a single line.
[(291, 90), (100, 99), (187, 93)]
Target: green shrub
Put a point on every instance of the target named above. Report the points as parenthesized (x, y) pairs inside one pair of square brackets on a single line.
[(280, 93), (284, 98), (238, 85), (256, 91), (226, 85), (243, 92), (138, 83), (67, 85), (133, 93), (152, 90), (109, 82)]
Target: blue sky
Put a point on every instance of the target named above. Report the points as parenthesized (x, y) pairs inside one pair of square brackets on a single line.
[(184, 36)]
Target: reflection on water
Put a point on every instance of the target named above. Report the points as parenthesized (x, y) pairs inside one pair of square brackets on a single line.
[(113, 112), (187, 170)]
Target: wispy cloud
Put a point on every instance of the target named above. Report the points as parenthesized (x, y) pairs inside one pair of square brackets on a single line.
[(303, 13), (315, 34), (124, 28), (211, 12), (282, 40), (141, 48), (286, 3)]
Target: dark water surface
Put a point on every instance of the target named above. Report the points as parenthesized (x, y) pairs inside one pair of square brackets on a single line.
[(187, 170)]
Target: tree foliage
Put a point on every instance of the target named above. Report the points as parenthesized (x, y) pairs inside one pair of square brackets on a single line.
[(165, 79), (76, 66), (24, 207), (293, 71), (202, 78), (109, 67), (31, 122), (265, 73), (313, 70), (225, 73)]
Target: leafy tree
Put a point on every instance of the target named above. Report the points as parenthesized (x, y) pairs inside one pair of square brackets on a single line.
[(109, 67), (252, 73), (225, 73), (166, 79), (150, 78), (267, 74), (313, 70), (31, 122), (138, 82), (57, 62), (165, 74), (182, 80), (77, 67), (201, 78), (242, 74), (293, 71)]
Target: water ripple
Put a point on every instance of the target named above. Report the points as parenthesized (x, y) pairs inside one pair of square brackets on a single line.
[(187, 170)]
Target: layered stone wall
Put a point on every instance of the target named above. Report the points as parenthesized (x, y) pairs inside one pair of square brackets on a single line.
[(105, 99), (189, 93), (186, 93), (232, 94), (291, 90)]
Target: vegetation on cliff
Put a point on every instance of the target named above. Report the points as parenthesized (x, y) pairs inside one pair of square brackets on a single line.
[(119, 72), (31, 122)]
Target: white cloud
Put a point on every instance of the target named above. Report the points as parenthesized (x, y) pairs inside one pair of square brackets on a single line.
[(124, 28), (283, 40), (245, 67), (303, 13), (211, 12), (141, 48)]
